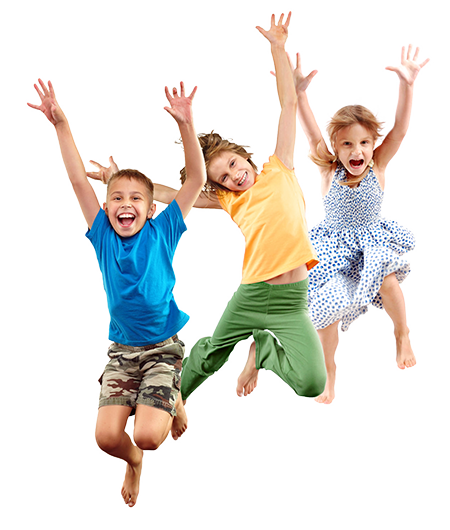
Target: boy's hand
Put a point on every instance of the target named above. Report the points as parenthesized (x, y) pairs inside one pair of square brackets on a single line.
[(49, 106), (277, 33), (103, 173), (180, 105), (409, 68)]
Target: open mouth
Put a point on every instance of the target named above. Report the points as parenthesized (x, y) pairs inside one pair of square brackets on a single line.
[(243, 179), (126, 219), (356, 164)]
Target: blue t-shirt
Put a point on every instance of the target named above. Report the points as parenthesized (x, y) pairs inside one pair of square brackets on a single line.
[(138, 277)]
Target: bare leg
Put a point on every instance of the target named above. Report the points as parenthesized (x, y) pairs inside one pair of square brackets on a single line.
[(329, 337), (248, 379), (394, 303), (179, 424), (112, 438)]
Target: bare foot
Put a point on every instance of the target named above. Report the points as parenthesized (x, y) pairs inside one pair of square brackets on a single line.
[(248, 379), (327, 395), (405, 355), (179, 424), (130, 488)]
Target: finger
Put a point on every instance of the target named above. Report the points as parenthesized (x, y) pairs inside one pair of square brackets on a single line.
[(272, 20), (298, 66), (170, 111), (403, 54), (168, 95), (41, 95), (52, 90), (192, 94), (96, 164), (311, 75), (280, 22), (182, 89), (262, 31), (422, 64), (286, 24), (34, 106), (175, 93), (92, 175), (44, 88), (409, 52)]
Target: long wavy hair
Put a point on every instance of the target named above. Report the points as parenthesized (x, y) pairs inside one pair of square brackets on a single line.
[(349, 115)]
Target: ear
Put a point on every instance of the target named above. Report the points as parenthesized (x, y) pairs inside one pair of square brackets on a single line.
[(151, 211), (105, 208)]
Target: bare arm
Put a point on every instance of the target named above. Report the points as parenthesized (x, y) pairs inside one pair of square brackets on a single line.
[(181, 110), (75, 168), (407, 73), (166, 195), (277, 35)]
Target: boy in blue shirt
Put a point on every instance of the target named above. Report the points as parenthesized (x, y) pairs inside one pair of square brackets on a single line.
[(135, 254)]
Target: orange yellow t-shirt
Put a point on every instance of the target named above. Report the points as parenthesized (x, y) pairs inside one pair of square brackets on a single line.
[(271, 215)]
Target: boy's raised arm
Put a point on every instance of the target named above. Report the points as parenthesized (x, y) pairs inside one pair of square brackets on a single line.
[(75, 169), (181, 110)]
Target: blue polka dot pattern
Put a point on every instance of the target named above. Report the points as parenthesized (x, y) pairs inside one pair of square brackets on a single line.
[(357, 249)]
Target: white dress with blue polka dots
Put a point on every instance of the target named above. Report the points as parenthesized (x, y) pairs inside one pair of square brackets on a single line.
[(356, 249)]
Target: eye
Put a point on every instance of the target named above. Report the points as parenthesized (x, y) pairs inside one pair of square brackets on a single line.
[(224, 178), (233, 163)]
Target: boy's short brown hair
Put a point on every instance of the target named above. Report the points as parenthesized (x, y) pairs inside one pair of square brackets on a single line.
[(132, 174)]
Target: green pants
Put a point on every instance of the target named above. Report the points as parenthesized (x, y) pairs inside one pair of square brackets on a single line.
[(295, 355)]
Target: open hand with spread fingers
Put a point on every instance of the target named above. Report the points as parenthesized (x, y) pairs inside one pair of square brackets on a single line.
[(103, 173), (409, 67), (278, 33), (49, 106), (180, 104)]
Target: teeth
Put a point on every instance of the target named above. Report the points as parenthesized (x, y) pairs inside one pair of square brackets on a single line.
[(126, 216), (244, 176)]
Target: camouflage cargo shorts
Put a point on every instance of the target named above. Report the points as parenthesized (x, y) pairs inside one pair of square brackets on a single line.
[(147, 375)]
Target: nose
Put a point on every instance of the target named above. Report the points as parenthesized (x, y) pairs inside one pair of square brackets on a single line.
[(126, 205)]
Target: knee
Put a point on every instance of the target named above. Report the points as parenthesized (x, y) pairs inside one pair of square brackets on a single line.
[(389, 282), (310, 383), (148, 440), (108, 440)]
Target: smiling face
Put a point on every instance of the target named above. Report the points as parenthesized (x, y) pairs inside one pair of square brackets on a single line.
[(354, 146), (231, 171), (128, 206)]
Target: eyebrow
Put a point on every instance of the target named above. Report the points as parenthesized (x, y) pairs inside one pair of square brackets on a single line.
[(130, 193)]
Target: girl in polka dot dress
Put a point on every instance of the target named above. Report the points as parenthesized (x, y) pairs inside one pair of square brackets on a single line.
[(360, 253)]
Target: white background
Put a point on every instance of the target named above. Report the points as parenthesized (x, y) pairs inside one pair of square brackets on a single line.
[(374, 447)]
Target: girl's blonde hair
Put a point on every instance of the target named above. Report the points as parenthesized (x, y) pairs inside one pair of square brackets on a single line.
[(212, 145), (349, 115)]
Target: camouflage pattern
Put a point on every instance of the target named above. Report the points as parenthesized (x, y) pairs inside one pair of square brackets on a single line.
[(147, 375)]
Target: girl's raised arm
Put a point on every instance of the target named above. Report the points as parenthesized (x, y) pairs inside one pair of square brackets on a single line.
[(305, 114), (407, 73), (277, 35)]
